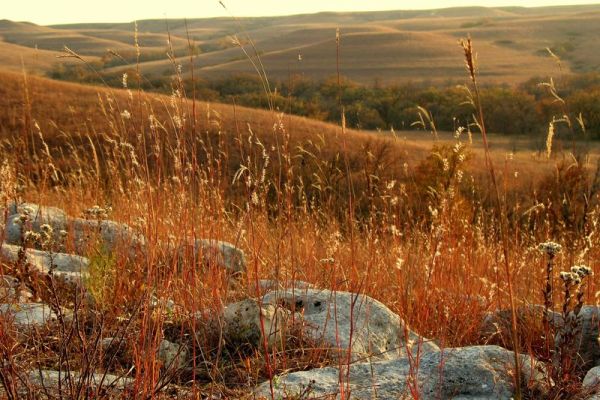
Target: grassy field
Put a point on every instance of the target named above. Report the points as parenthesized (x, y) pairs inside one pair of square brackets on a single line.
[(393, 47), (421, 221)]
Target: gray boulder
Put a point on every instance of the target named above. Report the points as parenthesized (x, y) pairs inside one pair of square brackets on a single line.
[(591, 384), (56, 384), (11, 291), (592, 379), (36, 217), (496, 329), (473, 373), (242, 324), (589, 349), (70, 266), (28, 315), (223, 254), (83, 234), (496, 325), (104, 235), (373, 331), (173, 356), (210, 252)]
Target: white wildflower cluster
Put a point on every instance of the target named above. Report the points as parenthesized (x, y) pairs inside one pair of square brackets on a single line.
[(97, 212), (21, 219), (139, 223), (125, 114), (32, 237), (576, 275), (433, 211), (459, 175), (569, 278), (582, 270), (47, 230), (550, 248)]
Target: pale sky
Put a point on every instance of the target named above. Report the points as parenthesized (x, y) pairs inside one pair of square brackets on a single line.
[(46, 12)]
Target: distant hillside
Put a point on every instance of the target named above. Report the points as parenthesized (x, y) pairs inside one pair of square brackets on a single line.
[(390, 46), (68, 110), (71, 116)]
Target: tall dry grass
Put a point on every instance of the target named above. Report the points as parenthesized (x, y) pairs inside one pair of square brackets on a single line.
[(431, 235)]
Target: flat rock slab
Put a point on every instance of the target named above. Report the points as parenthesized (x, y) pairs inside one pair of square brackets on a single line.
[(48, 382), (28, 315), (86, 235), (211, 252), (497, 325), (591, 383), (71, 268), (346, 320), (37, 216), (10, 290), (589, 348), (83, 234), (248, 323), (477, 372)]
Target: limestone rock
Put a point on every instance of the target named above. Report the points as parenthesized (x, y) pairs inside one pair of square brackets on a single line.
[(474, 373), (37, 216), (495, 326), (243, 323), (223, 254), (589, 348), (28, 315), (173, 356), (592, 380), (66, 265), (109, 235), (376, 331), (85, 234), (498, 324), (11, 290), (48, 381)]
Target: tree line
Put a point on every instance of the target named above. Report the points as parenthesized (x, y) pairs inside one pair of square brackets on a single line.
[(524, 109)]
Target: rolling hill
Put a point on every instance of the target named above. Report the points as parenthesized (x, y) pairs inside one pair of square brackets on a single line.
[(69, 116), (393, 46)]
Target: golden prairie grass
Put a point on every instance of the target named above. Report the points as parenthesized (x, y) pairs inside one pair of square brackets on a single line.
[(413, 226), (406, 48)]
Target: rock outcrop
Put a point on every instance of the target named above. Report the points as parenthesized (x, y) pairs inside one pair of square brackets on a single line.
[(247, 320), (26, 316), (477, 372), (346, 320), (496, 328), (72, 268)]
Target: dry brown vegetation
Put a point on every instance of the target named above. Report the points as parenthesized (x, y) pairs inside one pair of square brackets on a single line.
[(413, 224), (392, 47)]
